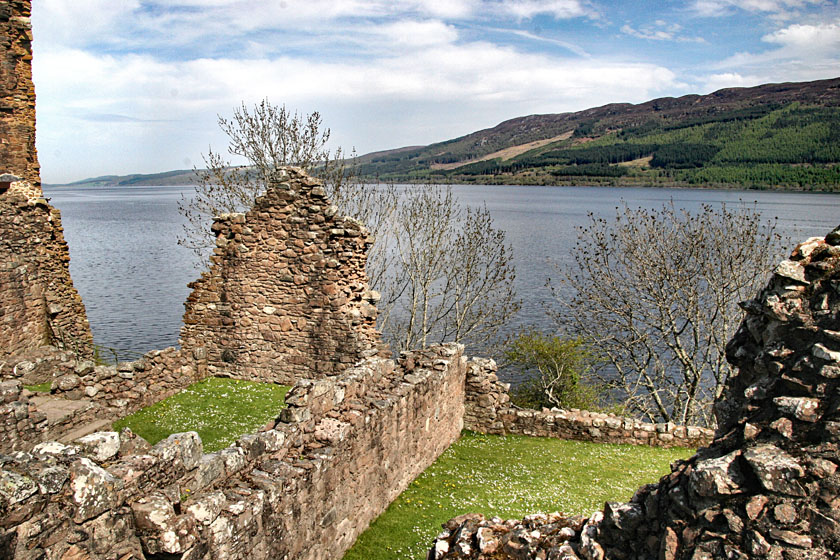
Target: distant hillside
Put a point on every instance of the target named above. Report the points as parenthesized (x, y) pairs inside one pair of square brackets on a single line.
[(769, 136), (178, 177), (775, 135)]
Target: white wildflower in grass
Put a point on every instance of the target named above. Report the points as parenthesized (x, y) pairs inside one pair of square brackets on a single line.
[(509, 476), (219, 409)]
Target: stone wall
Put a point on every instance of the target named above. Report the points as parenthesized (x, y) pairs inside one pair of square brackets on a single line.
[(17, 98), (304, 489), (769, 484), (488, 410), (286, 296), (83, 393), (38, 303)]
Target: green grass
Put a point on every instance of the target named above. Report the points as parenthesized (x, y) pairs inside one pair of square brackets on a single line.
[(219, 409), (40, 387), (510, 476)]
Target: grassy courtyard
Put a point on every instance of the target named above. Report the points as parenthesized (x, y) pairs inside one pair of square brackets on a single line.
[(219, 409), (509, 476)]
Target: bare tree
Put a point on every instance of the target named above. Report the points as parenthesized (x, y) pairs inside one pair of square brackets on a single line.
[(656, 293), (451, 276), (267, 137), (444, 272)]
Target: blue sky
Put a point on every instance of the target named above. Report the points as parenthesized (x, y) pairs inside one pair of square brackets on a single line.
[(136, 86)]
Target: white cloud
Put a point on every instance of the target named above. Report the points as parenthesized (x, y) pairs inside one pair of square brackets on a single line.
[(138, 113), (417, 33), (559, 9), (728, 80), (717, 8), (806, 45), (660, 31), (799, 52), (823, 38)]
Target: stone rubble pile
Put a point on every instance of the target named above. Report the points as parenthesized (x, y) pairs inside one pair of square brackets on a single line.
[(767, 487)]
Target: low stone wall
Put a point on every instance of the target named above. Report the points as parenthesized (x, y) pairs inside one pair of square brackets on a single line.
[(84, 393), (286, 296), (346, 447), (127, 387), (488, 410)]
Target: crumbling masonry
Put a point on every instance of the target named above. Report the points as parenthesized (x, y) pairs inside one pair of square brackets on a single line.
[(38, 303)]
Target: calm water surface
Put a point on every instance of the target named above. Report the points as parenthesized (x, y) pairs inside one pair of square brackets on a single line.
[(133, 276)]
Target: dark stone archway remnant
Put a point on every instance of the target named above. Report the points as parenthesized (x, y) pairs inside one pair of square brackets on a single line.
[(767, 487)]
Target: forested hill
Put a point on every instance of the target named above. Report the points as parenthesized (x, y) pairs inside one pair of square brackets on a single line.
[(774, 135)]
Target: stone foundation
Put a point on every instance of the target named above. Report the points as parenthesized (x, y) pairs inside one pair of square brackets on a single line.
[(343, 450)]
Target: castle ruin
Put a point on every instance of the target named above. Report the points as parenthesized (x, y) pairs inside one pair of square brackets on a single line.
[(286, 300)]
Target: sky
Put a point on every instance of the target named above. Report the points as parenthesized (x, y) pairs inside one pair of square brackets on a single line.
[(137, 86)]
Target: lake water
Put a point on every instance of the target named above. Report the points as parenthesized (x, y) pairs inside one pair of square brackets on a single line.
[(133, 276)]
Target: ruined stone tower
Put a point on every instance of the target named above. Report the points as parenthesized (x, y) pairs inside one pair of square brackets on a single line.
[(38, 303)]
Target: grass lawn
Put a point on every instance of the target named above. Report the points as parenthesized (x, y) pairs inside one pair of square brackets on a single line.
[(219, 409), (509, 476)]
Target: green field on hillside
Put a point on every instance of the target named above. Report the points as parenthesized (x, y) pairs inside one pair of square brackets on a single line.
[(793, 146)]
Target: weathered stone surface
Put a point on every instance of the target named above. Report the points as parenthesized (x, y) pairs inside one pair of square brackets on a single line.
[(100, 445), (15, 488), (93, 490), (777, 470), (791, 270), (720, 475), (803, 408), (161, 530), (183, 449)]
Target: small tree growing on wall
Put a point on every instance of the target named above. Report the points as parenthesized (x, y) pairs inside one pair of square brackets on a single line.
[(657, 294)]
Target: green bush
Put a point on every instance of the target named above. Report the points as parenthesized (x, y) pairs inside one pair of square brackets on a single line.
[(557, 371)]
